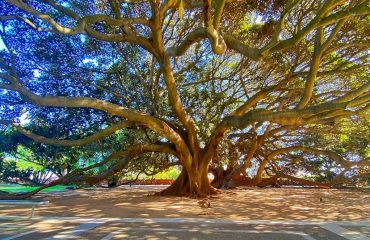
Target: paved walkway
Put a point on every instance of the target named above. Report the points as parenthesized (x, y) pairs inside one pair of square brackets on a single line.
[(177, 228)]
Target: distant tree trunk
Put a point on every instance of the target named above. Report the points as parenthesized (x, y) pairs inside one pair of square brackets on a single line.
[(229, 178), (113, 182), (219, 177)]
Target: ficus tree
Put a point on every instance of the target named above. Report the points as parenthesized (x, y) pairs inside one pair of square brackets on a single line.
[(253, 159), (188, 73)]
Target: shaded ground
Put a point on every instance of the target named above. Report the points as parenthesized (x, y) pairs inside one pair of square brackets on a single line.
[(241, 204), (252, 213)]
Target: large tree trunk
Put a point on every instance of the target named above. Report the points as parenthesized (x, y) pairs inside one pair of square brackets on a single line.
[(191, 182)]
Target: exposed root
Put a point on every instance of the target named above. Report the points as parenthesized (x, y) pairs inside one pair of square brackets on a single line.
[(276, 181)]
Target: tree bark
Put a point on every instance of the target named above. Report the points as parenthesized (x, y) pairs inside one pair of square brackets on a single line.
[(236, 180), (191, 182)]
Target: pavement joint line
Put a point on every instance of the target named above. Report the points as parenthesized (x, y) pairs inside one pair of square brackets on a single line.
[(76, 231), (343, 232), (192, 220), (304, 235)]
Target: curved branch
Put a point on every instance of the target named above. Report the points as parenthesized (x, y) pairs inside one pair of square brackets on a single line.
[(69, 143), (193, 37), (76, 176), (334, 156), (353, 94), (157, 125), (201, 33), (25, 20), (84, 24), (294, 116), (56, 26)]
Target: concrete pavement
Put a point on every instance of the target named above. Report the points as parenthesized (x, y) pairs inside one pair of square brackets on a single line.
[(178, 228)]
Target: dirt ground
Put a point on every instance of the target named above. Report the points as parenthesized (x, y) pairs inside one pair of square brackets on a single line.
[(241, 204)]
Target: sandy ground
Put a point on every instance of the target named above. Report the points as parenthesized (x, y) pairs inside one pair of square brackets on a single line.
[(241, 204)]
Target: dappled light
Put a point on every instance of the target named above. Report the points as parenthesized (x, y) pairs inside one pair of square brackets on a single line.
[(243, 204), (135, 213)]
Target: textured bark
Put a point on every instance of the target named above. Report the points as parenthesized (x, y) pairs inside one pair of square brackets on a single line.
[(191, 183)]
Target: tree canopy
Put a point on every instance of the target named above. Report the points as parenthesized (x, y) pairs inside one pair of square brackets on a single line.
[(274, 89)]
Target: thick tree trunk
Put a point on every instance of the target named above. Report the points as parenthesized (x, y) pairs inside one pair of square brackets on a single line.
[(193, 182)]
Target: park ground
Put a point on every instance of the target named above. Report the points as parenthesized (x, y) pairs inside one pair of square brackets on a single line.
[(246, 213)]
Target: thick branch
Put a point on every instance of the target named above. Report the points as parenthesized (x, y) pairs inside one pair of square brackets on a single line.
[(334, 156), (157, 125), (69, 143), (77, 175)]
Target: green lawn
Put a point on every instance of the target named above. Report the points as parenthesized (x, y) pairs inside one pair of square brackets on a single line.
[(16, 188)]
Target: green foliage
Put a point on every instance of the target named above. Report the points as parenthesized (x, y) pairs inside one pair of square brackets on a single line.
[(27, 161), (170, 173), (9, 172)]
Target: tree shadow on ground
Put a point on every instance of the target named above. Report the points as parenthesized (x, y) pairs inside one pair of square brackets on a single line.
[(243, 204)]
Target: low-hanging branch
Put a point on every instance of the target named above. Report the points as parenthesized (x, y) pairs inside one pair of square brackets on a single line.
[(69, 143), (334, 156), (157, 125), (78, 176)]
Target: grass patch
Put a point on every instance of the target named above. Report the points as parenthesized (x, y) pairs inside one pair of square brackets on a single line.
[(16, 188)]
